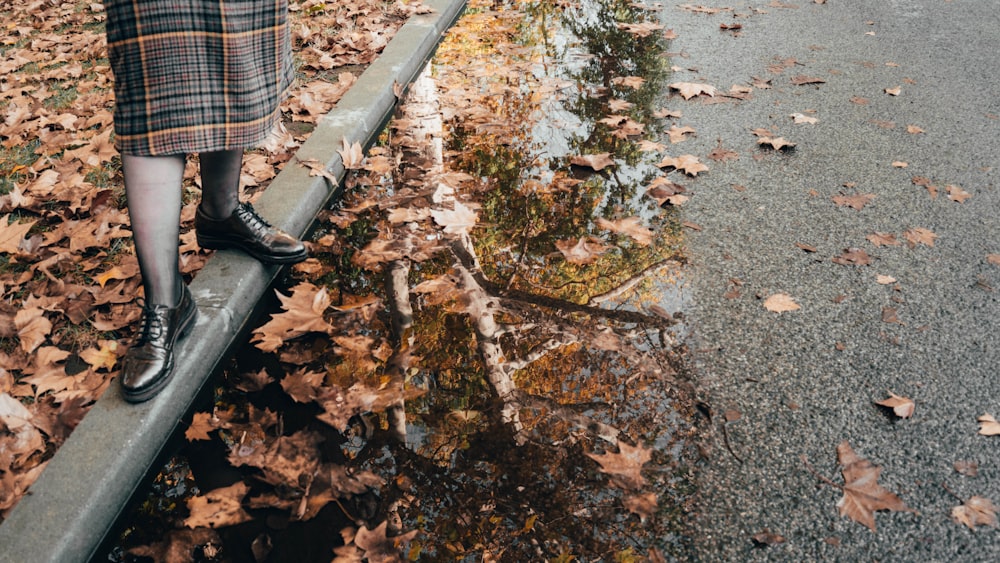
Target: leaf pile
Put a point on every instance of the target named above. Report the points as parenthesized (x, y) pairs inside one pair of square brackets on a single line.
[(68, 274)]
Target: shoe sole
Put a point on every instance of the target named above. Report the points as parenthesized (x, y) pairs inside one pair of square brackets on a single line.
[(147, 394), (226, 244)]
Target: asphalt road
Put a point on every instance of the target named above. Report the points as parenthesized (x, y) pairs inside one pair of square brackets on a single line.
[(803, 381)]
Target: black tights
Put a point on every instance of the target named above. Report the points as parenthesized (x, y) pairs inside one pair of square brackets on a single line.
[(153, 191)]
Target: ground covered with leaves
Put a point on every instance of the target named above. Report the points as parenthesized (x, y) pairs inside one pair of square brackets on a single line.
[(68, 274), (482, 360)]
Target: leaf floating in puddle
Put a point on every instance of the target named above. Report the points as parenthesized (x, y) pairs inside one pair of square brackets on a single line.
[(624, 467), (584, 251)]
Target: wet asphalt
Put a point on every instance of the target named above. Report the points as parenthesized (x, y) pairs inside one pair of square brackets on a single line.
[(803, 381)]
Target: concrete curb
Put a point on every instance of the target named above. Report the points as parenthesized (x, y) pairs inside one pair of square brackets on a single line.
[(80, 495)]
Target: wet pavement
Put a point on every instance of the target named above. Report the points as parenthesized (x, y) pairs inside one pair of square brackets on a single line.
[(502, 370), (799, 383)]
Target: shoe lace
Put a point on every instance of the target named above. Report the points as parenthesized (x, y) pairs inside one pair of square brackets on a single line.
[(249, 216), (152, 323)]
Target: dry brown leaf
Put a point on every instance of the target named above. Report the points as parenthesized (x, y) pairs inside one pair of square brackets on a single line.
[(776, 143), (459, 220), (584, 251), (677, 134), (802, 118), (894, 91), (631, 226), (988, 426), (801, 80), (914, 130), (595, 161), (689, 90), (780, 303), (689, 164), (957, 194), (884, 280), (303, 313), (201, 425), (902, 406), (883, 239), (993, 259), (218, 508), (856, 201), (863, 496), (967, 467), (352, 155), (852, 257), (766, 537), (977, 511), (625, 466), (919, 235), (643, 505)]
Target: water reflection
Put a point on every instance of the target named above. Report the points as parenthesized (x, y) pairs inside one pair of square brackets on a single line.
[(503, 355)]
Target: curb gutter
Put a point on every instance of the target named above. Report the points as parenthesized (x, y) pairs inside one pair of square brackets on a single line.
[(68, 511)]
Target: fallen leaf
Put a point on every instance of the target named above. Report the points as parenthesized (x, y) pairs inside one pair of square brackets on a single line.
[(856, 201), (919, 235), (884, 280), (625, 466), (863, 496), (689, 90), (677, 134), (218, 508), (988, 426), (852, 257), (967, 468), (12, 234), (883, 239), (914, 130), (459, 220), (977, 511), (643, 505), (584, 251), (201, 425), (353, 156), (859, 100), (802, 80), (894, 91), (890, 315), (595, 161), (780, 303), (766, 537), (899, 164), (776, 143), (631, 226), (689, 164), (720, 154), (901, 406), (303, 313), (957, 194), (993, 259), (802, 118)]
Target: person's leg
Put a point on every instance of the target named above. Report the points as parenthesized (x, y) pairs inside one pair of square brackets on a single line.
[(153, 191), (223, 222), (220, 182)]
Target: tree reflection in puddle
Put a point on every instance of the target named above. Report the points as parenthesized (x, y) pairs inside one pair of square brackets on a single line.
[(484, 361)]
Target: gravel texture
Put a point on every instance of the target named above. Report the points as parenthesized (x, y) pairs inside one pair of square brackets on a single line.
[(804, 381)]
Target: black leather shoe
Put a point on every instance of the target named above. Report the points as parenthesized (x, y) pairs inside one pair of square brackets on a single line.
[(149, 363), (245, 230)]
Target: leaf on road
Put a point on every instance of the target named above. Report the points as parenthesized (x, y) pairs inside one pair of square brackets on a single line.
[(689, 90), (776, 143), (977, 511), (803, 118), (802, 80), (883, 239), (957, 194), (767, 537), (863, 496), (780, 303), (988, 426), (597, 162), (677, 134), (919, 235), (993, 259), (686, 163), (901, 406), (884, 280), (894, 91), (852, 257), (856, 201), (967, 468)]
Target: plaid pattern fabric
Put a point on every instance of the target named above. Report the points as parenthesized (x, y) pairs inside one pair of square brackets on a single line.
[(197, 75)]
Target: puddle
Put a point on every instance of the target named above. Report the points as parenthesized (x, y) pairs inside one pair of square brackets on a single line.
[(490, 371)]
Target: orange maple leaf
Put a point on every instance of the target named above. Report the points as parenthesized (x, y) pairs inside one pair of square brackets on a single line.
[(303, 314)]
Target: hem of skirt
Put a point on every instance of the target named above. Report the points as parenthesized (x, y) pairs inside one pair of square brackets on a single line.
[(199, 139)]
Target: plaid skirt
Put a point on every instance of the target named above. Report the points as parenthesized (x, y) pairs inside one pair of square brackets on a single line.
[(197, 75)]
